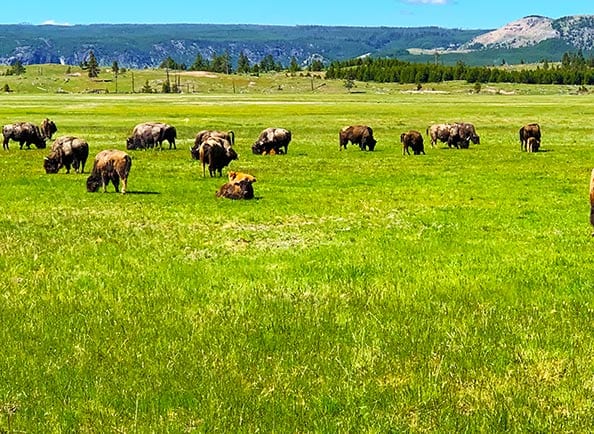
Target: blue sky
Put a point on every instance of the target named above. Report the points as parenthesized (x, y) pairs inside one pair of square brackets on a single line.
[(466, 14)]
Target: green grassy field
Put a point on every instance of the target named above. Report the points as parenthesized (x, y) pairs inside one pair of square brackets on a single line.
[(359, 292)]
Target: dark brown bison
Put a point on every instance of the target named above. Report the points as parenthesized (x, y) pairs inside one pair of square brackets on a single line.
[(110, 165), (439, 132), (467, 133), (527, 131), (413, 140), (25, 133), (150, 135), (67, 151), (204, 135), (271, 140), (532, 144), (361, 135), (48, 128), (217, 153), (238, 187)]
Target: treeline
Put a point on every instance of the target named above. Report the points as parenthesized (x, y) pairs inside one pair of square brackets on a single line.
[(574, 70), (222, 64)]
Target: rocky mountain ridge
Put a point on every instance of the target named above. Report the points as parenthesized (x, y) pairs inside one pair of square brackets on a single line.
[(576, 31)]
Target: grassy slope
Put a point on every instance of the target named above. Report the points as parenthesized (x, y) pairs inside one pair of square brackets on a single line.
[(359, 292)]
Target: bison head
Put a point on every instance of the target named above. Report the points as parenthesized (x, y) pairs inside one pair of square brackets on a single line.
[(93, 184), (258, 148), (195, 151), (51, 164)]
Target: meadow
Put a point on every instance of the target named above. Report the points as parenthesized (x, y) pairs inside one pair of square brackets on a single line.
[(358, 292)]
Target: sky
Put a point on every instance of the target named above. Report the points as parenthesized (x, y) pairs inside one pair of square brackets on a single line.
[(463, 14)]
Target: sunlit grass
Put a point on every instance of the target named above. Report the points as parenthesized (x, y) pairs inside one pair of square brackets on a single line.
[(358, 292)]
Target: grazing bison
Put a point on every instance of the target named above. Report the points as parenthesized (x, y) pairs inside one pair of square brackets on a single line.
[(467, 134), (271, 140), (238, 187), (217, 153), (457, 135), (67, 151), (25, 133), (110, 165), (527, 131), (48, 128), (361, 135), (439, 132), (413, 140), (204, 135), (151, 134)]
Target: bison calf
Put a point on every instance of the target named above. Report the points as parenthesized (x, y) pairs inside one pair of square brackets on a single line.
[(238, 187), (110, 165), (361, 135)]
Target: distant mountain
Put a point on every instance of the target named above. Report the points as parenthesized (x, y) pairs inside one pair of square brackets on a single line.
[(576, 31), (142, 45)]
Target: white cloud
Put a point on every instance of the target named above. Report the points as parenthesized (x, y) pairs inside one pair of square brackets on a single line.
[(54, 23)]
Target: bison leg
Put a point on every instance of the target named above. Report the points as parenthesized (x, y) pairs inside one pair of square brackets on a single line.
[(5, 143)]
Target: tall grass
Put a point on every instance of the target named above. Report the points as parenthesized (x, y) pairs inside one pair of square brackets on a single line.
[(358, 292)]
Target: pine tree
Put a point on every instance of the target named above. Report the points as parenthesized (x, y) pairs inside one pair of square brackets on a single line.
[(93, 66), (294, 66), (243, 64)]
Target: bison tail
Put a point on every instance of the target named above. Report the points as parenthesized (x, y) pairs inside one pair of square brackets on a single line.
[(232, 137)]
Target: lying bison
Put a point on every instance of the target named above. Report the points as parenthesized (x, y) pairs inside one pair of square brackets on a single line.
[(217, 153), (413, 140), (361, 135), (204, 135), (67, 151), (527, 131), (25, 133), (151, 135), (48, 128), (238, 187), (110, 165), (271, 140)]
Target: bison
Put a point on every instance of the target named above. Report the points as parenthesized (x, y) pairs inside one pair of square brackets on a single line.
[(25, 133), (67, 151), (110, 165), (361, 135), (204, 135), (151, 134), (271, 140), (527, 131), (467, 134), (413, 140), (217, 153), (48, 128), (238, 187), (439, 132), (532, 144), (457, 135)]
